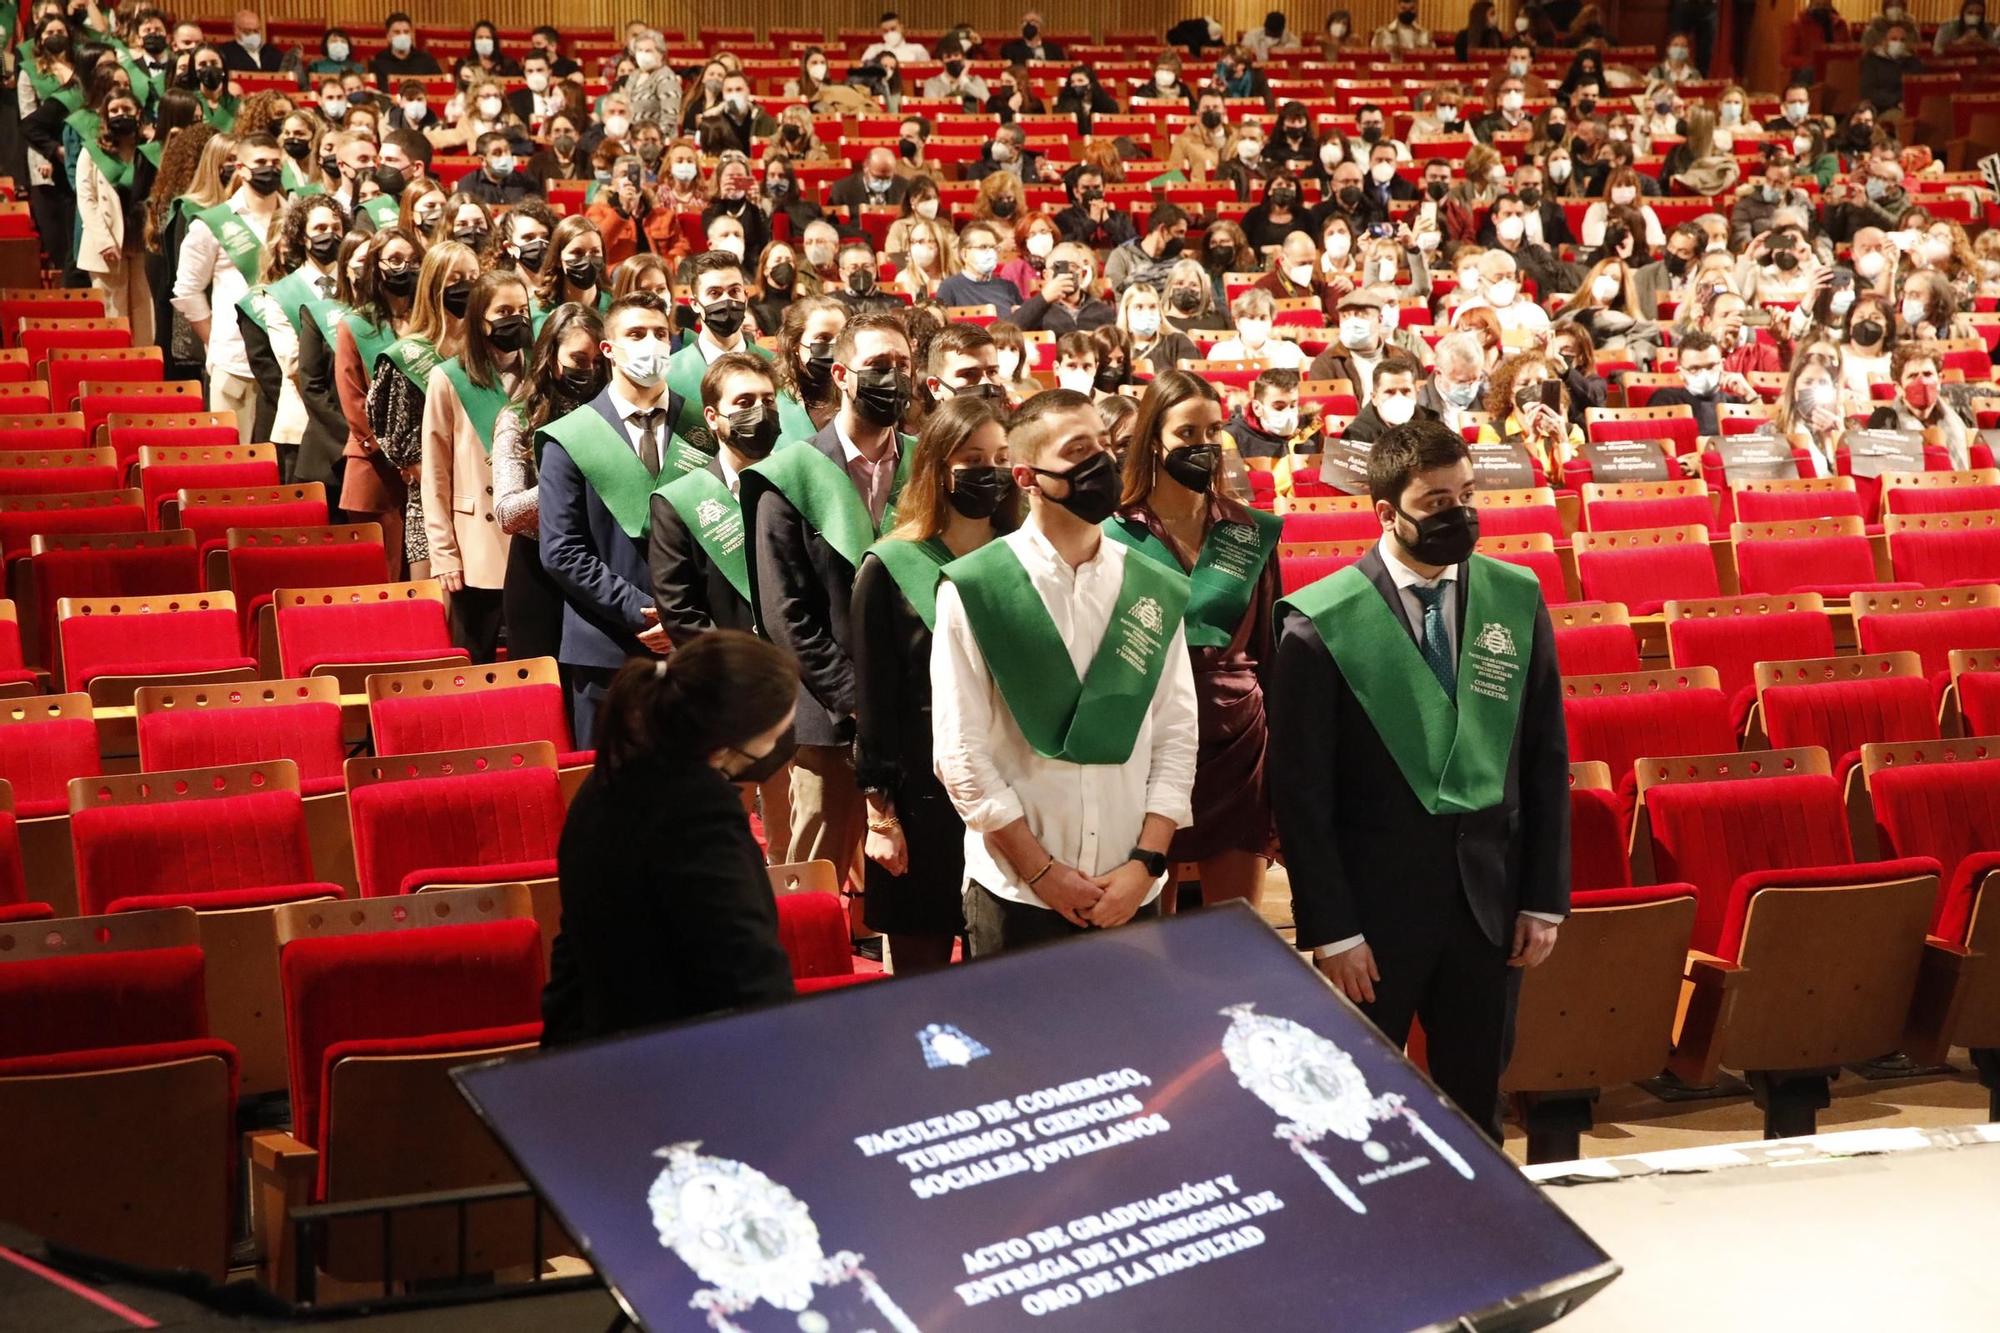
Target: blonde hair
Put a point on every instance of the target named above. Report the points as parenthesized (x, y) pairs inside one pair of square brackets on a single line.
[(206, 190)]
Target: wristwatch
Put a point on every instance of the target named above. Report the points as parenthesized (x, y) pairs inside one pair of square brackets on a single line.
[(1155, 862)]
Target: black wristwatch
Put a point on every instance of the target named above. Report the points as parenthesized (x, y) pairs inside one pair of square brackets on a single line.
[(1155, 862)]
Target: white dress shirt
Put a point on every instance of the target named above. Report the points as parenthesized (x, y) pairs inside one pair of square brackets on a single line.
[(1405, 579), (628, 414), (288, 424), (730, 476), (1087, 816), (207, 285)]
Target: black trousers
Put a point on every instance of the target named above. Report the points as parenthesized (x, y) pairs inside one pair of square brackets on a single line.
[(475, 621), (531, 603), (586, 687), (1439, 967), (994, 924)]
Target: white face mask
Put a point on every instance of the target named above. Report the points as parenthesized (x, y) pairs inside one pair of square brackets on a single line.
[(925, 208), (483, 47), (1428, 240), (1914, 311), (400, 43), (644, 364), (1936, 249), (1143, 323), (336, 109), (489, 107), (816, 72), (1604, 287), (1300, 274), (647, 61), (1388, 314), (1040, 244), (414, 112), (1510, 101), (1248, 149), (729, 245), (1077, 381), (538, 82), (1357, 332), (1558, 169), (684, 171), (923, 256), (1253, 332), (1382, 172), (983, 261), (1510, 228), (1497, 177), (893, 38), (1502, 293), (1279, 422), (1870, 265), (1468, 280), (1164, 78), (501, 166), (1732, 113), (616, 127), (1624, 194), (1395, 408), (1338, 244), (337, 50), (1330, 154), (1703, 382)]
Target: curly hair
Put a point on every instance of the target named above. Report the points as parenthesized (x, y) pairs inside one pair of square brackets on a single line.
[(286, 248), (178, 160), (259, 113), (1500, 385)]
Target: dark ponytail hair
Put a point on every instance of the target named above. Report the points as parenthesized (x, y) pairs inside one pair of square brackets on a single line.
[(722, 689)]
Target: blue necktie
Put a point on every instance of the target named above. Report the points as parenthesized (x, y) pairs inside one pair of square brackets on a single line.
[(1437, 640)]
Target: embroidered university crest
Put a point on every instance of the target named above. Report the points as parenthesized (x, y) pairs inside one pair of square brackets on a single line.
[(943, 1044), (710, 512), (1496, 639), (1147, 612)]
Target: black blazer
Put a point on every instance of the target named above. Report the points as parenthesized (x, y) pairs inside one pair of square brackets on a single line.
[(804, 592), (667, 912), (850, 192), (690, 590), (1354, 833), (326, 427)]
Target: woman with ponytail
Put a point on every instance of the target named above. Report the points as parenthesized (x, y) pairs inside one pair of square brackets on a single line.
[(667, 911)]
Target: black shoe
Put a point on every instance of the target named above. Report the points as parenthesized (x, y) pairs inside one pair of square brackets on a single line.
[(870, 948)]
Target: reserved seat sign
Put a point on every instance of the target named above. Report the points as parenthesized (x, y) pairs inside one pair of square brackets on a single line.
[(1174, 1125)]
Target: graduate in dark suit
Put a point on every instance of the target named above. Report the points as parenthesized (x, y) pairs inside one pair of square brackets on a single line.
[(1421, 771), (809, 514), (667, 912), (600, 467)]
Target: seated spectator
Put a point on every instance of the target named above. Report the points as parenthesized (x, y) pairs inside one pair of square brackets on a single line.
[(1254, 313), (1068, 298), (1269, 422), (1392, 399), (978, 282), (1704, 383)]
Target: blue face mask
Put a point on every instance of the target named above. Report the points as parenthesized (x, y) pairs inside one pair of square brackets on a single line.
[(1877, 187)]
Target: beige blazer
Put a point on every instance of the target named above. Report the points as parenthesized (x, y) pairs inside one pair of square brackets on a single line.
[(458, 491), (101, 216)]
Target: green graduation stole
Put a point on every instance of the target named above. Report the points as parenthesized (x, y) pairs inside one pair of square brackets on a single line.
[(222, 115), (84, 124), (414, 356), (290, 294), (1453, 757), (370, 340), (916, 567), (482, 405), (144, 86), (794, 421), (151, 152), (1095, 720), (684, 371), (716, 521), (115, 170), (297, 184), (47, 87), (821, 490), (605, 457), (683, 454), (237, 240), (1225, 574), (382, 211)]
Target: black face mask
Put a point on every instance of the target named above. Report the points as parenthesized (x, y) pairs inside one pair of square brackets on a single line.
[(297, 149), (472, 236), (861, 281), (1371, 135), (1350, 196), (227, 174), (1221, 256), (1029, 32), (1093, 487), (266, 180), (1444, 538), (397, 282), (1003, 206), (211, 77), (1211, 120), (1184, 301), (781, 276), (511, 333), (581, 272), (764, 767), (1109, 377), (954, 67), (722, 318), (817, 365), (329, 166), (1676, 265), (122, 127), (56, 44), (1089, 194), (455, 297), (323, 249), (978, 492), (1193, 465), (1867, 333), (753, 431), (881, 396), (1172, 249), (154, 44), (1860, 136), (578, 382), (390, 181), (1436, 189), (1285, 198), (1786, 260), (531, 253), (1531, 197)]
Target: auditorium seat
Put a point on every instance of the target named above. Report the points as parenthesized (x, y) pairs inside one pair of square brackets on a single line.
[(1941, 799), (1941, 492), (454, 817), (41, 336), (1828, 556), (119, 1106), (1803, 959), (352, 632), (1623, 506), (1618, 719), (1674, 423), (1930, 622), (13, 874), (26, 431), (25, 517), (1313, 561), (1594, 639), (259, 560), (1535, 552), (77, 373), (1353, 524), (109, 647), (127, 432), (210, 513), (199, 726), (16, 676), (1647, 567), (100, 400), (1599, 1012), (814, 930), (60, 470), (1940, 550), (456, 708), (1506, 512), (382, 999), (95, 566), (1806, 497), (1733, 634), (167, 470), (46, 740), (1975, 691)]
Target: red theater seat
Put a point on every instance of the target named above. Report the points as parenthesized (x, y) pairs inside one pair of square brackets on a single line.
[(354, 632), (1930, 622), (260, 560), (1936, 550), (1734, 634), (1843, 703), (1810, 497), (1646, 568), (507, 703), (1622, 718), (110, 647), (1594, 639), (454, 817)]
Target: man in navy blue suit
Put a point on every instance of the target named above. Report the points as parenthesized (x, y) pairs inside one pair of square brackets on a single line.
[(600, 467)]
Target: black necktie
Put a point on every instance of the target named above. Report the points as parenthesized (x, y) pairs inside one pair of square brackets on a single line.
[(649, 438)]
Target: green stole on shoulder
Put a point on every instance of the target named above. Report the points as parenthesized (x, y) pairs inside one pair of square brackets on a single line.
[(794, 421), (151, 152), (115, 170), (715, 519), (1095, 720), (370, 340), (821, 490), (1224, 579), (1453, 753), (222, 115), (46, 87), (290, 294), (482, 405), (297, 184), (237, 240), (382, 211), (415, 357), (605, 457), (684, 371), (916, 567)]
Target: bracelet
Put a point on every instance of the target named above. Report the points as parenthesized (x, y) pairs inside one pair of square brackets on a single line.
[(1036, 877), (884, 825)]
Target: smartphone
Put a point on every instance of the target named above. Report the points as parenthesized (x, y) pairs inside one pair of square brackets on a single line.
[(1382, 230), (1062, 268), (1552, 395)]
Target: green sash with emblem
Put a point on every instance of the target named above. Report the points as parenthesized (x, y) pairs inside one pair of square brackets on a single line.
[(716, 521), (482, 405), (415, 357), (685, 369), (1225, 574), (1453, 753), (605, 457), (821, 490), (237, 240), (382, 211), (1095, 720), (916, 567)]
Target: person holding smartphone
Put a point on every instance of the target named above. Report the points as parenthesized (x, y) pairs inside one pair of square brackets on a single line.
[(1526, 396)]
